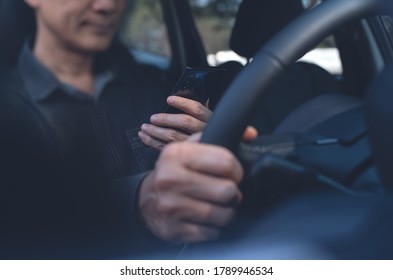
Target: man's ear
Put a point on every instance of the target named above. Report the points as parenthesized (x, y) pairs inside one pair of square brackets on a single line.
[(32, 3)]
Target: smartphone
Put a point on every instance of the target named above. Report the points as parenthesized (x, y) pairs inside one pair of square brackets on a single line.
[(195, 84)]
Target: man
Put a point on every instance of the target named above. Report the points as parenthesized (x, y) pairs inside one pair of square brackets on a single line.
[(78, 101), (75, 34)]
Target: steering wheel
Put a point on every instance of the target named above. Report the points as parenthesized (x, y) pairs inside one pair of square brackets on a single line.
[(226, 129)]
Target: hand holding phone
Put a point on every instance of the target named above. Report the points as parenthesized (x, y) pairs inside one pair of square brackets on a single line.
[(184, 117), (194, 84)]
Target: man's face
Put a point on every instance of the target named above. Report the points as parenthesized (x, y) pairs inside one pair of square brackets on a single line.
[(81, 25)]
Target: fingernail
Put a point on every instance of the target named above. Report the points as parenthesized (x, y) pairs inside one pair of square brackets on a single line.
[(141, 135), (153, 118), (144, 126), (171, 99)]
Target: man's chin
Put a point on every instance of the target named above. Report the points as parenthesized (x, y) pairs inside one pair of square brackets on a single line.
[(95, 47)]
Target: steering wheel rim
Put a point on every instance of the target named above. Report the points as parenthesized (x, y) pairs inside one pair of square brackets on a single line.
[(275, 57)]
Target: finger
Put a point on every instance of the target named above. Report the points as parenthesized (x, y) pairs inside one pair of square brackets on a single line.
[(199, 186), (183, 208), (175, 217), (209, 159), (191, 107), (183, 122), (164, 134), (211, 189), (217, 163), (207, 214), (151, 142), (250, 133)]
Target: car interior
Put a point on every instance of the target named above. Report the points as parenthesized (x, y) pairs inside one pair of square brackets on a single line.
[(269, 167), (319, 132), (319, 126), (301, 82)]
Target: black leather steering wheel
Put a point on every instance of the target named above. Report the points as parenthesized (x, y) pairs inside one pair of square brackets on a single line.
[(236, 108)]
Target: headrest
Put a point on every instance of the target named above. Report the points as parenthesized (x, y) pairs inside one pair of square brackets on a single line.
[(16, 23), (258, 20)]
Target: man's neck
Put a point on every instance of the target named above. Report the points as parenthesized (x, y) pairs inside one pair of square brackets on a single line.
[(68, 66)]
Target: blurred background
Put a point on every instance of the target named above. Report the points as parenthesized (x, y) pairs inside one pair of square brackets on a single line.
[(145, 33)]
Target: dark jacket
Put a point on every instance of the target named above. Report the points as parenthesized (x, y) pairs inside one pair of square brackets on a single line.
[(71, 165)]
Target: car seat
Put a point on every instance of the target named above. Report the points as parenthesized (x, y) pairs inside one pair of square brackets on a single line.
[(257, 21)]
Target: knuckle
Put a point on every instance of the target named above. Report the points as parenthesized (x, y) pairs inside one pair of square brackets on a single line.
[(164, 180), (187, 122), (229, 193), (144, 140), (199, 111), (165, 207), (226, 217), (148, 141), (226, 165), (171, 136), (219, 216)]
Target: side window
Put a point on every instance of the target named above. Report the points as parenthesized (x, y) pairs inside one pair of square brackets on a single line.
[(215, 19), (325, 55), (144, 32)]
